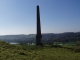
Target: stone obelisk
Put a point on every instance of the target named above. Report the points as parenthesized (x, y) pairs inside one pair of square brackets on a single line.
[(38, 35)]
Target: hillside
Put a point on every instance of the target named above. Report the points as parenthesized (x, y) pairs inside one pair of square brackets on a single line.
[(29, 52), (47, 38)]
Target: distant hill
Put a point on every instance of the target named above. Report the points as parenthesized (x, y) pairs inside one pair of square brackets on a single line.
[(47, 37)]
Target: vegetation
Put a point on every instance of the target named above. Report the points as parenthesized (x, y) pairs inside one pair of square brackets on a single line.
[(32, 52)]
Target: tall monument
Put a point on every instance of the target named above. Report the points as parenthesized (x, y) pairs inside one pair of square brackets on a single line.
[(38, 35)]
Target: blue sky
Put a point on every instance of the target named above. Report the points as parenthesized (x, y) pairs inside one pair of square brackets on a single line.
[(57, 16)]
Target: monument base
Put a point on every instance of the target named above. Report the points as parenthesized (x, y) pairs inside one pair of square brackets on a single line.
[(38, 41), (39, 44)]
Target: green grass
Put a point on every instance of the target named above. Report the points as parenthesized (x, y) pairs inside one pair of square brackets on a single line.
[(32, 52)]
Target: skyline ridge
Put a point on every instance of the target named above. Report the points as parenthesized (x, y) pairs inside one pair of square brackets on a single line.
[(42, 33)]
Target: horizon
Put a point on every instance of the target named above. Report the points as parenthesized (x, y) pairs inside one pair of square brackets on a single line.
[(41, 33), (57, 16)]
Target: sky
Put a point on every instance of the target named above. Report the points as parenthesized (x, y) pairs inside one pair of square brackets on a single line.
[(57, 16)]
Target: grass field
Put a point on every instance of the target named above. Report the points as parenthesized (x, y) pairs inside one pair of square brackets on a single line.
[(32, 52)]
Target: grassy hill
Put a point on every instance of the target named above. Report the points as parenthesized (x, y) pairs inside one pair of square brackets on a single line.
[(32, 52)]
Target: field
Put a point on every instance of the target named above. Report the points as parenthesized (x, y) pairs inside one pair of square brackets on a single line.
[(32, 52)]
